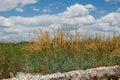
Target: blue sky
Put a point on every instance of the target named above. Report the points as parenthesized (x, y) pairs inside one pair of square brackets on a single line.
[(21, 17), (56, 6)]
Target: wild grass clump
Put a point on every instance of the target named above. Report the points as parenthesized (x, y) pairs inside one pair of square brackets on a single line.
[(59, 51), (83, 51)]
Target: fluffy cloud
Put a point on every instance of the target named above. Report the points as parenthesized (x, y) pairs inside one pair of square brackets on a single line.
[(76, 11), (35, 9), (76, 17), (90, 7), (111, 19), (6, 5), (113, 1), (46, 10), (19, 9), (108, 23), (118, 10), (5, 22)]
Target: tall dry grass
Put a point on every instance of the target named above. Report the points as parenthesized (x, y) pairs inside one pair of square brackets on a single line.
[(85, 51), (74, 44)]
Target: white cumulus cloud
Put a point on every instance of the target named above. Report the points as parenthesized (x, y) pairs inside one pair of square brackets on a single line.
[(76, 17), (46, 10), (76, 11), (19, 9), (118, 10), (34, 9), (111, 19), (6, 5), (90, 7), (5, 22), (113, 1)]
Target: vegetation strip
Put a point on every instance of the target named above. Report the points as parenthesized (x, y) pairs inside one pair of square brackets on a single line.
[(59, 52)]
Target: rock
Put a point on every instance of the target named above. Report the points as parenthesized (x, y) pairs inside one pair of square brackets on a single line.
[(100, 73)]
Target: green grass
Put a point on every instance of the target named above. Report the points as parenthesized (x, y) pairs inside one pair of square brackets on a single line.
[(12, 58), (49, 55)]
